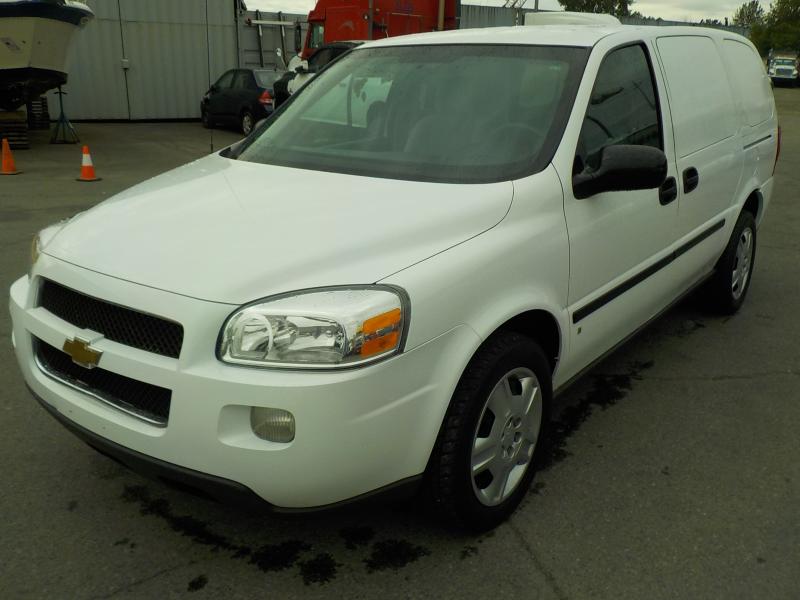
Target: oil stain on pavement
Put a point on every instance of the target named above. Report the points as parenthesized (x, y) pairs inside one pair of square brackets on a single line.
[(198, 583), (394, 555), (388, 554), (606, 391), (385, 555)]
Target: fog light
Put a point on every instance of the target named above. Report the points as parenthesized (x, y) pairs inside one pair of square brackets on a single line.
[(272, 424)]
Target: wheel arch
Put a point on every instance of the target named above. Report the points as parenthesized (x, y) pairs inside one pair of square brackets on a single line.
[(542, 327), (754, 205), (752, 201)]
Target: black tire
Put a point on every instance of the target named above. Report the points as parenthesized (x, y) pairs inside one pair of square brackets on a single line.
[(247, 123), (205, 119), (722, 296), (449, 478)]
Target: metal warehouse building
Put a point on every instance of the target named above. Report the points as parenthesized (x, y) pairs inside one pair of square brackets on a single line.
[(154, 59)]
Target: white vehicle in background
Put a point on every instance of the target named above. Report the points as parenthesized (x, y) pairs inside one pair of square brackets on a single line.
[(783, 68), (404, 314)]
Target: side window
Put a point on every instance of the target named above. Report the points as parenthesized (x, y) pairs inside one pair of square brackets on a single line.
[(319, 59), (224, 82), (623, 108), (317, 35)]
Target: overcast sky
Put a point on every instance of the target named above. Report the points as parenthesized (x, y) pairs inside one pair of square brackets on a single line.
[(679, 10)]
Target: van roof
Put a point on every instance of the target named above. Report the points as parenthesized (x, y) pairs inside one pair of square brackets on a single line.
[(580, 36)]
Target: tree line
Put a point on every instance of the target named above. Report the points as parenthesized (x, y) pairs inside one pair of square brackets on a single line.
[(775, 29)]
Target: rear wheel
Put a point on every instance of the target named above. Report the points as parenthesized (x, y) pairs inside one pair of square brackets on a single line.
[(727, 288), (482, 464), (248, 122)]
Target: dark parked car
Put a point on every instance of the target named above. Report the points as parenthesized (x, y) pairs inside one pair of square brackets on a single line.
[(240, 98), (285, 86)]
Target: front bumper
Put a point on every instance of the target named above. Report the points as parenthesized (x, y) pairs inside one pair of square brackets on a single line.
[(358, 430)]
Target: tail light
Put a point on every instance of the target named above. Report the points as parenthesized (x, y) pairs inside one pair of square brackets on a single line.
[(778, 152), (266, 98)]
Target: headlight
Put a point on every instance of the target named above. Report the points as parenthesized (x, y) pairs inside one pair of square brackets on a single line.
[(41, 239), (36, 250), (317, 329)]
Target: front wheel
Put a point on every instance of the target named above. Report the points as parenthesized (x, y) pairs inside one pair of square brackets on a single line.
[(482, 464), (728, 286)]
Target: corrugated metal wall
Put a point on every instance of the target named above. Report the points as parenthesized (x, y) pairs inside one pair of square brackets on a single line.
[(473, 16), (167, 48), (271, 39), (150, 59)]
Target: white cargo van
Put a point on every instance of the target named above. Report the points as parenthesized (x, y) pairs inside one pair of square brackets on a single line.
[(440, 268)]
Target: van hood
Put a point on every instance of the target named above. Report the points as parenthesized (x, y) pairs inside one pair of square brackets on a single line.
[(231, 231)]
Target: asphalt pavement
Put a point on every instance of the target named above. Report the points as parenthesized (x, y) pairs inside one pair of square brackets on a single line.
[(674, 471)]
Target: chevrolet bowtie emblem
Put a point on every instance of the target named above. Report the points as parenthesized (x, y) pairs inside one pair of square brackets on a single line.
[(81, 353)]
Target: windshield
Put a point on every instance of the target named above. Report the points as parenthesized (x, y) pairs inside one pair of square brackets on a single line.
[(459, 114), (789, 62), (265, 79)]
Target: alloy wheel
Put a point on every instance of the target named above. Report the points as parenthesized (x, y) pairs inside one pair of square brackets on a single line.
[(742, 263), (506, 436), (247, 123)]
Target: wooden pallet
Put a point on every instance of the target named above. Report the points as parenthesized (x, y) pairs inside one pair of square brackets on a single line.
[(14, 127), (38, 115)]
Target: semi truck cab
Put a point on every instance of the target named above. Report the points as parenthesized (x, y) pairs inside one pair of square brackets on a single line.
[(342, 20)]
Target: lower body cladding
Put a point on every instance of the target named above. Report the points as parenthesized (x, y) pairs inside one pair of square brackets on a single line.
[(356, 431)]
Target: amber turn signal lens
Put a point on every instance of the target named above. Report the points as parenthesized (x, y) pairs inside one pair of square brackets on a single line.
[(381, 333)]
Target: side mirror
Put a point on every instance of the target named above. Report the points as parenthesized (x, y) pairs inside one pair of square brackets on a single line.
[(298, 38), (214, 88), (622, 169), (302, 68)]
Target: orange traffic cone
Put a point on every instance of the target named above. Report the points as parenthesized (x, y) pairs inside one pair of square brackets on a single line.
[(87, 167), (8, 161)]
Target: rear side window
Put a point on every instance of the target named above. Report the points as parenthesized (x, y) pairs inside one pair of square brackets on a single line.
[(243, 80), (623, 108), (699, 94), (749, 81), (266, 79)]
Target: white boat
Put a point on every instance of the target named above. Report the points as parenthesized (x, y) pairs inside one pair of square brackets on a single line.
[(34, 38)]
